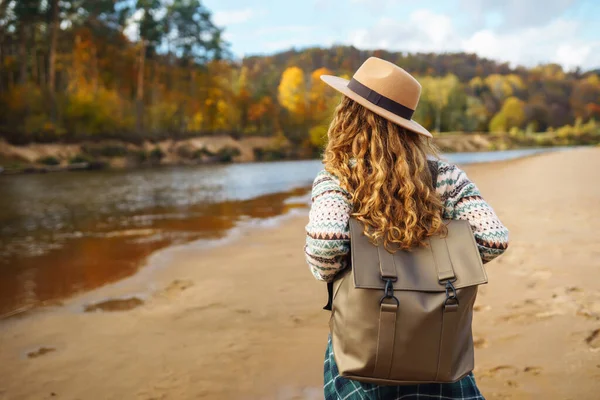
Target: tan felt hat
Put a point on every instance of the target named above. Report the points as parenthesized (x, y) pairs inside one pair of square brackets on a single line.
[(385, 89)]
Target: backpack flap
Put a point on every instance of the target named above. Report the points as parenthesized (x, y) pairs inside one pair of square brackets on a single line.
[(454, 256)]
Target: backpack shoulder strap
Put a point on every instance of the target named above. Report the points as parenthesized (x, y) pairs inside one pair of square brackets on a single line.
[(329, 296), (433, 168)]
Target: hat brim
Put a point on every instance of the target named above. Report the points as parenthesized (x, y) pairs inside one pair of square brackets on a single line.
[(341, 85)]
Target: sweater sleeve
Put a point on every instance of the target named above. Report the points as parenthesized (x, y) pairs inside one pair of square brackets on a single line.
[(328, 232), (462, 200)]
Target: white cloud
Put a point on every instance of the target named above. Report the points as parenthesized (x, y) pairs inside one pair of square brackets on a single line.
[(230, 17), (554, 42), (572, 56), (424, 31), (517, 13)]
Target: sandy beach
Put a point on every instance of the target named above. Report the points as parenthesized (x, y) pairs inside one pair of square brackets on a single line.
[(244, 320)]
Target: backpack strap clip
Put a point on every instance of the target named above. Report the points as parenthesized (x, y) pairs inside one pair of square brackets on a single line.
[(451, 297), (388, 292)]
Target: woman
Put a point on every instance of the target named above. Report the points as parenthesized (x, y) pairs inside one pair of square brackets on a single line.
[(376, 170)]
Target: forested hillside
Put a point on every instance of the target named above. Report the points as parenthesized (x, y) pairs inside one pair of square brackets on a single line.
[(75, 70)]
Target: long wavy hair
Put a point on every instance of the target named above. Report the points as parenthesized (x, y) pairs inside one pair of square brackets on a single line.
[(384, 167)]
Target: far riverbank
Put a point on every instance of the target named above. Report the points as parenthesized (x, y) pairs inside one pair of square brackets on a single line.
[(112, 154)]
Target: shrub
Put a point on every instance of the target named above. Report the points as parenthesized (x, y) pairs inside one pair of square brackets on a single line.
[(49, 160), (515, 132), (80, 158), (139, 156), (156, 154), (23, 109), (89, 112), (227, 153), (268, 154), (200, 153)]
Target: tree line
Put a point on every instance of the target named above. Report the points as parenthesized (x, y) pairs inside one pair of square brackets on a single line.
[(77, 70)]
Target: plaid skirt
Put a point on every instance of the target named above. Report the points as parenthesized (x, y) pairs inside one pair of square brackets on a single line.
[(340, 388)]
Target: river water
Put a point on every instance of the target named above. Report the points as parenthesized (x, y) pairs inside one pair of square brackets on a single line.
[(64, 233)]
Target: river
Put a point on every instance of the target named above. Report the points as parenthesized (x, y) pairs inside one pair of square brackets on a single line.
[(65, 233)]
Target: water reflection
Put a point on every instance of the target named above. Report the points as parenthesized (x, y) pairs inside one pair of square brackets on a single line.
[(65, 233)]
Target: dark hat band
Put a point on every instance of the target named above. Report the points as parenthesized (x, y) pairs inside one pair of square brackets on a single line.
[(380, 100)]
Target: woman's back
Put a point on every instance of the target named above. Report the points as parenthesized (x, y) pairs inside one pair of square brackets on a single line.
[(327, 253), (377, 171)]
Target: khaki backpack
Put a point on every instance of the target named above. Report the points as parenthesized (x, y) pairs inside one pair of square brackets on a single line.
[(405, 318)]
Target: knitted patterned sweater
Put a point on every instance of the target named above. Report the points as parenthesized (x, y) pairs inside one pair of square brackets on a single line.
[(328, 231)]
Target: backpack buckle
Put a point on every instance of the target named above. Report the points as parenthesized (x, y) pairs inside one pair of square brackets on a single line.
[(451, 297), (389, 288), (388, 292)]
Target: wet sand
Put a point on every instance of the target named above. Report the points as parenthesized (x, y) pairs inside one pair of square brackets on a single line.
[(244, 320)]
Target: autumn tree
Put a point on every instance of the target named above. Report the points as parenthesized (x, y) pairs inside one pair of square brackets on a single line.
[(262, 115), (511, 115), (54, 26), (499, 86), (292, 91), (150, 35), (537, 115), (4, 19), (585, 98), (436, 91), (476, 115), (27, 13), (322, 101), (18, 20), (455, 116), (221, 113), (320, 94), (292, 97)]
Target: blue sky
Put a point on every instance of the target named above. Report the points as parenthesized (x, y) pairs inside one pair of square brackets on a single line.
[(524, 32)]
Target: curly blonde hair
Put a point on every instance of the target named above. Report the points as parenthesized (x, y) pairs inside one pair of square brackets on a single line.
[(384, 167)]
